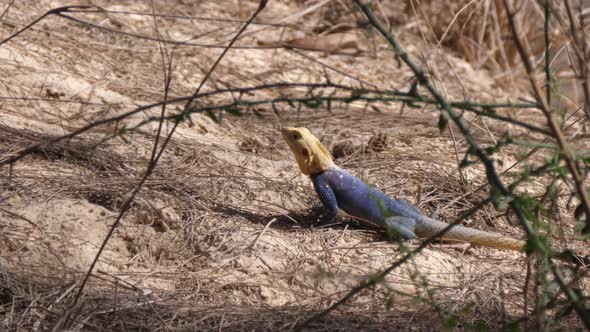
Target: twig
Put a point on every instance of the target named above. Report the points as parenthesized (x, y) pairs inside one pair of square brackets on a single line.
[(553, 125), (156, 156), (580, 47), (55, 11), (262, 232)]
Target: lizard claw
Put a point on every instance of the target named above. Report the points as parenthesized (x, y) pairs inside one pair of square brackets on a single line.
[(325, 221), (318, 207), (433, 213)]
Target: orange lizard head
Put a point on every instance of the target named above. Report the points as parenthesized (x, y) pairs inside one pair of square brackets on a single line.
[(312, 156)]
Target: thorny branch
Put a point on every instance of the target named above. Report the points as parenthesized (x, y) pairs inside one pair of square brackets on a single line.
[(367, 95), (551, 121)]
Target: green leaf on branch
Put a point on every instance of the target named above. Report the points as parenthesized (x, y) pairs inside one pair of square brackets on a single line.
[(233, 110), (496, 197), (489, 110), (443, 122), (313, 103), (579, 231), (412, 104), (121, 132), (466, 162), (211, 115), (390, 301), (537, 244), (579, 212)]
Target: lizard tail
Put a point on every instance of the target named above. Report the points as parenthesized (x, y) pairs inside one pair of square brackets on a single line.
[(428, 227)]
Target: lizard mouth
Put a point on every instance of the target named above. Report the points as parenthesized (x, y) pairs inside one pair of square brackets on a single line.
[(287, 133)]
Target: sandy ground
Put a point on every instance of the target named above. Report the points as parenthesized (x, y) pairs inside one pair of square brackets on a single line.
[(217, 237)]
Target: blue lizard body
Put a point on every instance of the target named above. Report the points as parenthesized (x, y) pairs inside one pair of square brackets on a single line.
[(337, 188)]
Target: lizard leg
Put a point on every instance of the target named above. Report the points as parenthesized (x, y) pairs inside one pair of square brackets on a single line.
[(403, 226), (328, 198)]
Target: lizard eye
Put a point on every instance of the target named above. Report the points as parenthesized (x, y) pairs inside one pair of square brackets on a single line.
[(296, 135), (304, 152)]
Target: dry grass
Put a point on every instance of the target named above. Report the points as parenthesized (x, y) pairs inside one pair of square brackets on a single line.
[(479, 31), (216, 238)]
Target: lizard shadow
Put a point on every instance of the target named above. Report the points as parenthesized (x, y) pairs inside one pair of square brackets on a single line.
[(278, 221), (308, 219), (297, 220)]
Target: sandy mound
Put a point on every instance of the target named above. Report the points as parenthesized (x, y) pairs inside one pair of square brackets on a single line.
[(61, 232)]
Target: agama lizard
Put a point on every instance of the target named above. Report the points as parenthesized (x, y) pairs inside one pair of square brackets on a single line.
[(337, 188)]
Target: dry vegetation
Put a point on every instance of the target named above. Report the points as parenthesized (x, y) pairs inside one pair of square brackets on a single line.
[(217, 237)]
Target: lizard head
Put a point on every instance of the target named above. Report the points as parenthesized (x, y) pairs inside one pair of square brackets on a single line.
[(312, 156)]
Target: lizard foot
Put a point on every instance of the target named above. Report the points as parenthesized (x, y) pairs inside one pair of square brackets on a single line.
[(400, 227)]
